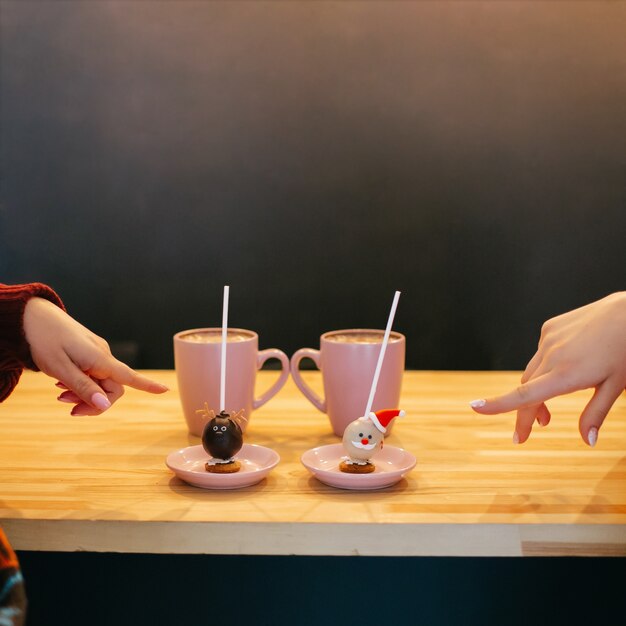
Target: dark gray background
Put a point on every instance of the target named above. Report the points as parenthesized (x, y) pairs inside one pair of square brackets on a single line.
[(316, 156)]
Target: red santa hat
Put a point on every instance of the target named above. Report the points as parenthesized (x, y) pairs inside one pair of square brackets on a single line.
[(382, 418)]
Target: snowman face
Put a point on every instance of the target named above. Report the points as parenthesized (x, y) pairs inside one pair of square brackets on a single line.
[(361, 439)]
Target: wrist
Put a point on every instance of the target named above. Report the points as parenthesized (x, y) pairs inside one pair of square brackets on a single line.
[(14, 302)]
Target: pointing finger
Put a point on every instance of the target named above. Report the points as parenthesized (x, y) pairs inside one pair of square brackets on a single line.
[(534, 391), (121, 373)]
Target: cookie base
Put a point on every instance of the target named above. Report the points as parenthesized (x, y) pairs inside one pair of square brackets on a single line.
[(354, 468), (223, 468)]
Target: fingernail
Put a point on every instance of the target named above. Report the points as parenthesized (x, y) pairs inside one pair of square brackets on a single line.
[(62, 399), (476, 404), (515, 438), (100, 401), (592, 436), (164, 387)]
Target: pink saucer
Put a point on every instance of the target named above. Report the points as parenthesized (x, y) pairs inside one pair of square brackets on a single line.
[(392, 464), (256, 463)]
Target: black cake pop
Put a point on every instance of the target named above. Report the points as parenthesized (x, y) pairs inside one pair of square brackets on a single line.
[(222, 438)]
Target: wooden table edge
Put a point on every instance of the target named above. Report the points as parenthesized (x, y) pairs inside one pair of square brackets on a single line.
[(310, 539)]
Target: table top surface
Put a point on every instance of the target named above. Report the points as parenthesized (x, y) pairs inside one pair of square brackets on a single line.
[(101, 484)]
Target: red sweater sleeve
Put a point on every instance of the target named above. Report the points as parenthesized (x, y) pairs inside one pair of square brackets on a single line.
[(14, 349)]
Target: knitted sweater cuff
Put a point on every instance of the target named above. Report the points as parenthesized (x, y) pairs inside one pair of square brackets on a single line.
[(14, 349)]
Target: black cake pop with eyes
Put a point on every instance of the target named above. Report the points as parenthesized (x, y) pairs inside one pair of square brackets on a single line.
[(222, 438)]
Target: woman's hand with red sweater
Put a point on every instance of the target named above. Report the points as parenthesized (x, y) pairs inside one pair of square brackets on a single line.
[(79, 359)]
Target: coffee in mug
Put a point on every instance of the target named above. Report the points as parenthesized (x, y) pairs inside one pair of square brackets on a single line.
[(197, 358), (214, 336), (347, 360)]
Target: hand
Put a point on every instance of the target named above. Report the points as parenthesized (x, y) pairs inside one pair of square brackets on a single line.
[(580, 349), (79, 359)]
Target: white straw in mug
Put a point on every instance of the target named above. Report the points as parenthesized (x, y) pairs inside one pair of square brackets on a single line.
[(381, 356), (224, 340)]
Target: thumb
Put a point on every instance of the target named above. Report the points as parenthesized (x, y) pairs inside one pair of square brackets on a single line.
[(592, 417), (81, 384)]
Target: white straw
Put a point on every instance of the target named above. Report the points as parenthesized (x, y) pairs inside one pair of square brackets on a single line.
[(224, 340), (381, 356)]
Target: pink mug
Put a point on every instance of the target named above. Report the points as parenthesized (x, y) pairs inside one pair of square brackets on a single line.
[(347, 360), (197, 358)]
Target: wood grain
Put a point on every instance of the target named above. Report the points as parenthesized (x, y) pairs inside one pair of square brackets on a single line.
[(100, 484)]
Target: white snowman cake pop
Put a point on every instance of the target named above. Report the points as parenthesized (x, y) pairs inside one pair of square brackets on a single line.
[(363, 438)]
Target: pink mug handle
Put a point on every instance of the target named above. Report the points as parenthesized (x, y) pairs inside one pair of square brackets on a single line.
[(309, 394), (264, 355)]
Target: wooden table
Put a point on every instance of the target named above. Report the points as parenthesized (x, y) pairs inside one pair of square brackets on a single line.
[(100, 484)]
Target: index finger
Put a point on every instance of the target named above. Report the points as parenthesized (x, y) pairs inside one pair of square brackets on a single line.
[(534, 391), (121, 373)]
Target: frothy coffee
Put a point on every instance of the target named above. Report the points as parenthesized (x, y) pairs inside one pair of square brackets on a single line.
[(361, 337), (215, 336)]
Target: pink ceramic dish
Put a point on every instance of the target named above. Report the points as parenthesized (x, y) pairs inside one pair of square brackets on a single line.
[(256, 464), (392, 464)]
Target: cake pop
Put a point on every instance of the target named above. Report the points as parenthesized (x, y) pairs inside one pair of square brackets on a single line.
[(363, 438), (222, 438)]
